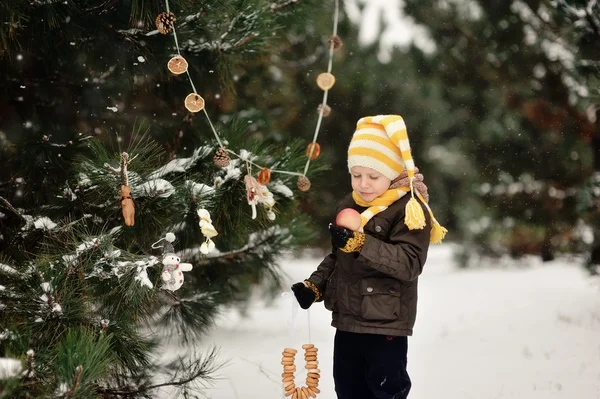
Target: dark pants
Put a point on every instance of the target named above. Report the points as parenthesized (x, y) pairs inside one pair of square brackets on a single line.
[(370, 366)]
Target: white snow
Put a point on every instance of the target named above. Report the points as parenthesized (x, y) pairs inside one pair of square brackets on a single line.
[(44, 223), (279, 187), (519, 332), (8, 269), (154, 188), (9, 368)]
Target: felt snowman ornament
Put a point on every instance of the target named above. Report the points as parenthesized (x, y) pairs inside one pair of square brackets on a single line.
[(172, 273)]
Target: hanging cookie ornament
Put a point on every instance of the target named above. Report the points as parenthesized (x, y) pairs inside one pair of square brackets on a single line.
[(325, 81), (221, 157), (313, 150), (127, 206), (177, 65), (194, 103), (208, 230), (311, 389), (303, 183), (164, 22), (264, 176)]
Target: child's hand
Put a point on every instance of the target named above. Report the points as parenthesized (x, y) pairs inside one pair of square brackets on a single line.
[(346, 240), (339, 236), (304, 295)]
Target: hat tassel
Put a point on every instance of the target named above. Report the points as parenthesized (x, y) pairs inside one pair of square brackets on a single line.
[(414, 217), (438, 232)]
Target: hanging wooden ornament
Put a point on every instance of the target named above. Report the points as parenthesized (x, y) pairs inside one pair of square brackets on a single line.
[(164, 22), (313, 150), (127, 207), (325, 81), (264, 176), (312, 377), (326, 110), (177, 65), (303, 183), (194, 103), (221, 157)]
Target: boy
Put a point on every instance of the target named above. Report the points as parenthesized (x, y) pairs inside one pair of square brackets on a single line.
[(370, 279)]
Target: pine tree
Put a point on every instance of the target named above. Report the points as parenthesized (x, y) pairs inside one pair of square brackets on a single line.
[(89, 111), (521, 79)]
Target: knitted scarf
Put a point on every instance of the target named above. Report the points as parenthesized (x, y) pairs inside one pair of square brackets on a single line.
[(398, 189)]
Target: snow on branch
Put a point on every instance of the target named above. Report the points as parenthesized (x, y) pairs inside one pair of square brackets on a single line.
[(181, 165)]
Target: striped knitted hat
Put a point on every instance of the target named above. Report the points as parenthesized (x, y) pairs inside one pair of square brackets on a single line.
[(381, 143)]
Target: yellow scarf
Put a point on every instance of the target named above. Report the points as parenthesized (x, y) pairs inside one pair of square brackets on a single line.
[(414, 216)]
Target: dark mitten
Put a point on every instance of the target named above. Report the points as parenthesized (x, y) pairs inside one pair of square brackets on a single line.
[(339, 236), (304, 295)]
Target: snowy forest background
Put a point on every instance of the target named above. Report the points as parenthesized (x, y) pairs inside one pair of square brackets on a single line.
[(501, 101)]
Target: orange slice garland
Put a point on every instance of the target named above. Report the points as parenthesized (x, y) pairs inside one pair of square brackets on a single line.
[(177, 65), (194, 103)]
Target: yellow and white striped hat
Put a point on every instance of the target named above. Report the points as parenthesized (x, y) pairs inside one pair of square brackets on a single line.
[(381, 143)]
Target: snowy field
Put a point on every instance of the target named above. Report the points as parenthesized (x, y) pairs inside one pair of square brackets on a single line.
[(518, 332)]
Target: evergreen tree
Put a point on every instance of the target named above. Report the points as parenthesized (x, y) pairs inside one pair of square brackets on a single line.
[(88, 110), (521, 81)]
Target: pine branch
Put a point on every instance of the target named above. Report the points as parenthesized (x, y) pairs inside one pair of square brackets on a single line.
[(11, 208), (277, 7)]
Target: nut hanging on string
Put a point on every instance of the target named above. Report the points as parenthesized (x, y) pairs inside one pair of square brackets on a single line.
[(313, 150), (194, 103), (164, 22), (221, 157), (326, 110), (303, 183), (336, 41), (127, 207), (177, 65), (325, 81)]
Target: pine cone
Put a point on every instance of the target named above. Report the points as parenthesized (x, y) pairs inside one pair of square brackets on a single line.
[(221, 157), (303, 183), (164, 22)]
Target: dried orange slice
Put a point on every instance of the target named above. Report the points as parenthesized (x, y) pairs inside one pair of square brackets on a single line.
[(194, 103), (177, 65), (313, 150), (325, 81)]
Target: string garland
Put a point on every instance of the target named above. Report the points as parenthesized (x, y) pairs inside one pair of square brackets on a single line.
[(165, 23)]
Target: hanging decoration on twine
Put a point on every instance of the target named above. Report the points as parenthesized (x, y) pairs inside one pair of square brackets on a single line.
[(165, 23), (208, 231), (127, 207), (311, 364)]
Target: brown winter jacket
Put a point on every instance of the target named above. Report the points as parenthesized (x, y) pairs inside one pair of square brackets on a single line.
[(375, 291)]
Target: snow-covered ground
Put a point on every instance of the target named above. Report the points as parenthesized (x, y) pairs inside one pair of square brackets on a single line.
[(518, 332)]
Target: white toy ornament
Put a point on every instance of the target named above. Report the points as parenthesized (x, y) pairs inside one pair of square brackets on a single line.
[(172, 273), (207, 230), (256, 193)]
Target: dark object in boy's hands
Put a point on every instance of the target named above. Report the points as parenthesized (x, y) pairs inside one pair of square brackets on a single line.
[(339, 236), (304, 295)]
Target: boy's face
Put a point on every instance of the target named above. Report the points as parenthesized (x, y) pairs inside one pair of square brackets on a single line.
[(368, 183)]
